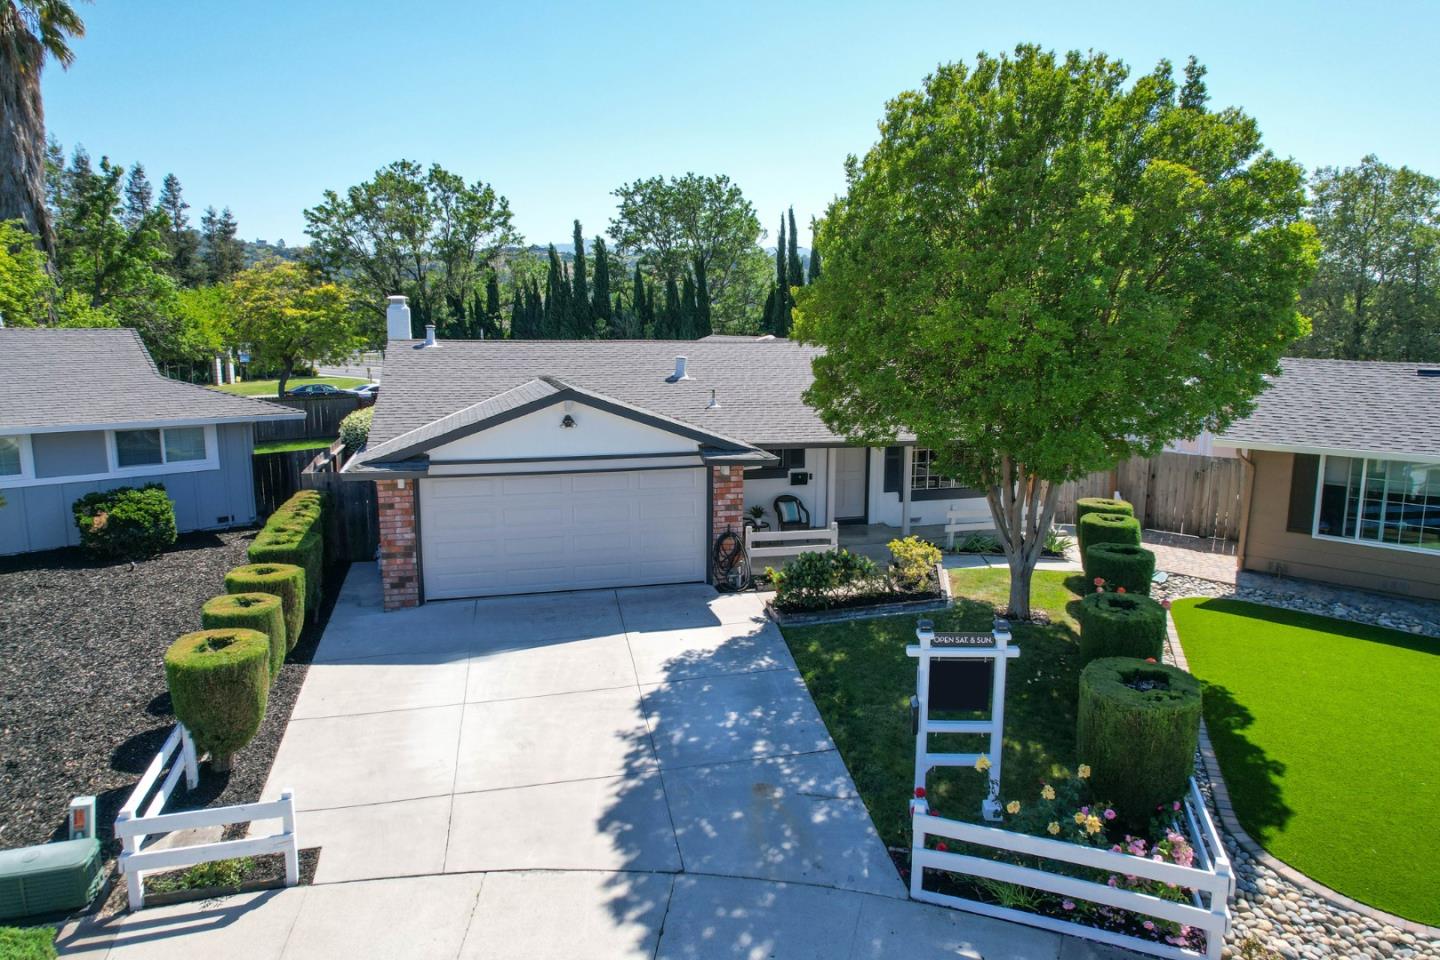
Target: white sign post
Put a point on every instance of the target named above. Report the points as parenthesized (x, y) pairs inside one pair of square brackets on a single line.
[(951, 677)]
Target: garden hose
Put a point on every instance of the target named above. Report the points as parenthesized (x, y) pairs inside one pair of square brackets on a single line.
[(731, 566)]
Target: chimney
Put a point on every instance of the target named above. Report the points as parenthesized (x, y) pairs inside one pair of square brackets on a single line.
[(429, 334), (679, 373), (397, 319)]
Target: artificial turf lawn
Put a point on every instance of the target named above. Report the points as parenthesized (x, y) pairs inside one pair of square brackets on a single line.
[(1328, 734), (267, 388), (862, 682)]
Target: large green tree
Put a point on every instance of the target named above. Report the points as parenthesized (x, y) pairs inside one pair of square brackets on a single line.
[(31, 32), (286, 316), (1376, 294), (1043, 268), (426, 234), (671, 223)]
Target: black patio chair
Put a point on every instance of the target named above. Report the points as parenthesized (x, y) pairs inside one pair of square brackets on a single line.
[(791, 513)]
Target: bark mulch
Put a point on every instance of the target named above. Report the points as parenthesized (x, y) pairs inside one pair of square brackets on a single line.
[(83, 700)]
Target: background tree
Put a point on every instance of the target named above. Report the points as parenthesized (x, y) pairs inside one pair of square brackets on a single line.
[(600, 306), (494, 314), (792, 257), (425, 234), (182, 242), (671, 223), (1376, 294), (1040, 271), (222, 255), (139, 198), (287, 317), (582, 323), (30, 32), (815, 266)]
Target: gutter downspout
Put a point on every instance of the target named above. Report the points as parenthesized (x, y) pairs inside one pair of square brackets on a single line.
[(1247, 493)]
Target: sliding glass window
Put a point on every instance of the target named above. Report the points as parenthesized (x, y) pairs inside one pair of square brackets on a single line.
[(1384, 502)]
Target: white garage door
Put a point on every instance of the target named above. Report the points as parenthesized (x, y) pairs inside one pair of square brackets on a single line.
[(482, 536)]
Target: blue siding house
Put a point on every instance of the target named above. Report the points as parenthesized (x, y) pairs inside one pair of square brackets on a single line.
[(86, 410)]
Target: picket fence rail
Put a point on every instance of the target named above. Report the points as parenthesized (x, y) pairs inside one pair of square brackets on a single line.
[(967, 519), (134, 827), (1211, 882), (760, 544)]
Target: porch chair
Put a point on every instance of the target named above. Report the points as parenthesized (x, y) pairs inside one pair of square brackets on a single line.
[(790, 513)]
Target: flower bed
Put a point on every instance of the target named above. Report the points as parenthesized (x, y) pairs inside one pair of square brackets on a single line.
[(837, 580)]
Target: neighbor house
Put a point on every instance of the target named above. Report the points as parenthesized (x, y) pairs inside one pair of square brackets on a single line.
[(86, 410), (519, 466), (1345, 479)]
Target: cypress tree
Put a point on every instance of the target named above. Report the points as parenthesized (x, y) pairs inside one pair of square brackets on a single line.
[(494, 328), (781, 324), (556, 318), (768, 318), (668, 326), (600, 299), (689, 321), (797, 275), (581, 323), (814, 256), (644, 322), (703, 326), (518, 318)]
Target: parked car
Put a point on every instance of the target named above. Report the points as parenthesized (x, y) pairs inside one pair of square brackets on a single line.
[(318, 390), (368, 392)]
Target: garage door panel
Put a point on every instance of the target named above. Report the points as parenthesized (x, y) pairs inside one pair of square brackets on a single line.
[(514, 534)]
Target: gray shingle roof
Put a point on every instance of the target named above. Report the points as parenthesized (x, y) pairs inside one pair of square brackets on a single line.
[(73, 379), (1361, 407), (759, 384)]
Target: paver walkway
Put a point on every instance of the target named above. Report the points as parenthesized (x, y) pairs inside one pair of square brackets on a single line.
[(625, 773)]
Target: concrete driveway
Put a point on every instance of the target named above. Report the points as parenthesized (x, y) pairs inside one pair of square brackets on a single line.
[(614, 773)]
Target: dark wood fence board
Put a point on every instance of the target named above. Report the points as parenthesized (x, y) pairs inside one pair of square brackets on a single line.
[(322, 418)]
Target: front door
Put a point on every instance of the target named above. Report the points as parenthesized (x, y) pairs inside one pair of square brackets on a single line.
[(850, 484)]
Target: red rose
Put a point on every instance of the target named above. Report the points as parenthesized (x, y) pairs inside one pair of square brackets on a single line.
[(1119, 589), (1099, 581), (942, 846), (919, 793)]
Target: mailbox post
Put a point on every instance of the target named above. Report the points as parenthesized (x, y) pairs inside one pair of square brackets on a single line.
[(961, 672)]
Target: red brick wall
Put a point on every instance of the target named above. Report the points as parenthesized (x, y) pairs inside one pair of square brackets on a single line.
[(727, 499), (399, 564)]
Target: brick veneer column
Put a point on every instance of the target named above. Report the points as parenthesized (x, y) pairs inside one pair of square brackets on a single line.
[(399, 566), (727, 499)]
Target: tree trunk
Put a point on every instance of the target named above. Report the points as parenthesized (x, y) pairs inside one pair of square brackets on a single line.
[(1023, 506), (22, 148), (286, 369)]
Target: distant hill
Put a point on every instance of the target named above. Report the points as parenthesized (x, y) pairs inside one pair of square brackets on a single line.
[(257, 250)]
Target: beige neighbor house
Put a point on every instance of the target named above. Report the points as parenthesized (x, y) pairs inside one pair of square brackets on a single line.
[(524, 466), (1344, 478)]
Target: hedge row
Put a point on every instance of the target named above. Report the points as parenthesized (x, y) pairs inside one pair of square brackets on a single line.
[(1120, 625), (219, 683), (1126, 565), (1096, 528), (295, 534)]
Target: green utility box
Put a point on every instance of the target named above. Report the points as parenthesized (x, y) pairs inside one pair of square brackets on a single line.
[(49, 878)]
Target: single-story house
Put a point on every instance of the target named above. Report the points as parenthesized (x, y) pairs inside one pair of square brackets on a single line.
[(515, 466), (86, 410), (1344, 477)]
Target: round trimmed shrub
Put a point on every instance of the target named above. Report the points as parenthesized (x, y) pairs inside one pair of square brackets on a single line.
[(1086, 505), (1096, 528), (284, 580), (1120, 565), (1120, 625), (126, 522), (250, 611), (1138, 727), (219, 682)]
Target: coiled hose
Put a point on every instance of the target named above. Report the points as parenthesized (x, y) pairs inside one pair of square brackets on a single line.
[(731, 565)]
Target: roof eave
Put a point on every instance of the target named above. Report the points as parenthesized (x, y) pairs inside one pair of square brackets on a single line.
[(1273, 446)]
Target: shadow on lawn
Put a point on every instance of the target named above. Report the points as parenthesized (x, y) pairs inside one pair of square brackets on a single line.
[(1251, 776)]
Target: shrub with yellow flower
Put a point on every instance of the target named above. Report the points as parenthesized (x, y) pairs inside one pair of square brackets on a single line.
[(1080, 818), (1093, 825), (1013, 807), (983, 763), (1084, 772), (1047, 792), (1053, 829)]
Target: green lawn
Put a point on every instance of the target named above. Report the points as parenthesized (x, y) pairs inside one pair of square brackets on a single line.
[(1328, 734), (286, 446), (267, 388), (862, 682)]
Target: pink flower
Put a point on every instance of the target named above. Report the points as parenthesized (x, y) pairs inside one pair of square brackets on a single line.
[(1165, 604), (1149, 924), (1119, 589), (1068, 904), (1149, 659), (1175, 806), (1099, 581), (1109, 814), (942, 846)]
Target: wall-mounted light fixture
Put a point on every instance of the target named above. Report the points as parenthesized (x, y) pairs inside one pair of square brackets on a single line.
[(567, 422)]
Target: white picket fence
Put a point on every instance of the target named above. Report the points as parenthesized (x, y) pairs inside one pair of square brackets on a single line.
[(761, 544), (1211, 882), (134, 827), (971, 516)]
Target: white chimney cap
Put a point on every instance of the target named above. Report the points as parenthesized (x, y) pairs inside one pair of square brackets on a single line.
[(397, 319), (680, 372)]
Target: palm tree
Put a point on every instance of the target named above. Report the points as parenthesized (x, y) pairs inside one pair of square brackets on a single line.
[(30, 32)]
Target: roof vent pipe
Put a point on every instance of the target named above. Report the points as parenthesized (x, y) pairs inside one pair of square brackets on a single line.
[(397, 319), (714, 403), (679, 373), (429, 334)]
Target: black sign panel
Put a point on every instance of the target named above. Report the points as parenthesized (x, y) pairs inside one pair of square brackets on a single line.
[(961, 684)]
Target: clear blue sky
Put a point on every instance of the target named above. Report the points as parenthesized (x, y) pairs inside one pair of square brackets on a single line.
[(262, 105)]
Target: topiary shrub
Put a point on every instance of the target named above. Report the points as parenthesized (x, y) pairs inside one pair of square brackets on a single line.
[(284, 580), (1088, 505), (219, 682), (912, 563), (355, 428), (1138, 726), (1121, 565), (251, 611), (1120, 625), (1096, 528), (295, 534), (126, 522)]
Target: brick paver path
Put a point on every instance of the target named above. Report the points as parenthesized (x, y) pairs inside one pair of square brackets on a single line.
[(1188, 556)]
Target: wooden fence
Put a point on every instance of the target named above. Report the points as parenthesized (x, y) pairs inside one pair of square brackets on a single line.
[(1179, 492), (352, 523), (277, 476), (322, 418)]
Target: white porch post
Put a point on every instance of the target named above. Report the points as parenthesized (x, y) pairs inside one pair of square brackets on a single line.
[(907, 464), (829, 486)]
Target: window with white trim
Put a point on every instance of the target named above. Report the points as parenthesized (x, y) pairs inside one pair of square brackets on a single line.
[(150, 448), (924, 476), (1392, 503), (15, 461)]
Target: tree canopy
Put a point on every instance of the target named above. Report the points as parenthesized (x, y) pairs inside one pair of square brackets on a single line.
[(1042, 268), (285, 316)]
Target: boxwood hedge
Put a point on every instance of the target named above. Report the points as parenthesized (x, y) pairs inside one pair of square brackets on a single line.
[(126, 522), (1120, 625), (250, 611), (284, 580), (219, 683), (1086, 505), (1096, 528), (1138, 727), (295, 534), (1121, 565)]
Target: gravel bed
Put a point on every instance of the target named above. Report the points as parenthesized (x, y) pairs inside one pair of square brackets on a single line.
[(83, 699), (1411, 616)]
